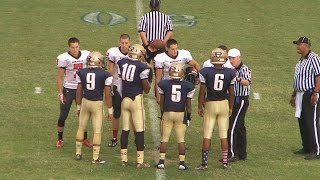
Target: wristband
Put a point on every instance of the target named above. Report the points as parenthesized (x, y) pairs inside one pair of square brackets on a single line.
[(110, 110), (78, 107)]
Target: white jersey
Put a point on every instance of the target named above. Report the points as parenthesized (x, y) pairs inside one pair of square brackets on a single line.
[(164, 61), (208, 63), (114, 55), (71, 66)]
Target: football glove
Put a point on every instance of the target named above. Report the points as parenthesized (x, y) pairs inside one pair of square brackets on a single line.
[(187, 119)]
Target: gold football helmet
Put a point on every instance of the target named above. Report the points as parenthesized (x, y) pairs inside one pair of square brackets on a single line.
[(137, 52), (176, 71), (95, 60), (218, 56)]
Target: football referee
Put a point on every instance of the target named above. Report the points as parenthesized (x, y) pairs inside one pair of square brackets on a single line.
[(237, 134), (154, 25), (305, 98)]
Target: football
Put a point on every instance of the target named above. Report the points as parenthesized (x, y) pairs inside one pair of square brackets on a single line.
[(157, 44)]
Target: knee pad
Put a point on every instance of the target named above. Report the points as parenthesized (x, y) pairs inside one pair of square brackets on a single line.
[(140, 141)]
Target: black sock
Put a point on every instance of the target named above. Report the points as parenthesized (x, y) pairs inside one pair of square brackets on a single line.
[(161, 161), (60, 135), (85, 135)]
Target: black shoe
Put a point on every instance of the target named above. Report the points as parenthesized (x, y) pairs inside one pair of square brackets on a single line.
[(233, 159), (312, 156), (113, 143), (300, 151)]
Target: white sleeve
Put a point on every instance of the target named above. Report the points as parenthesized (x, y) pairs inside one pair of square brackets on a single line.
[(158, 62), (61, 62), (202, 79), (187, 56), (108, 81), (191, 93), (144, 74), (78, 79), (160, 90)]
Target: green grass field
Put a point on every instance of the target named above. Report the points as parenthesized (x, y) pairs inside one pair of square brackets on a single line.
[(34, 32)]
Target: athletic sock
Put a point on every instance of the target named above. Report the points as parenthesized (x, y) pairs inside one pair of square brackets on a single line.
[(225, 157), (115, 134), (205, 157), (60, 135), (85, 135)]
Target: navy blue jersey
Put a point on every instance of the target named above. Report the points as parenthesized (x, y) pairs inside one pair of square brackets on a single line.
[(217, 82), (93, 81), (175, 94), (132, 73)]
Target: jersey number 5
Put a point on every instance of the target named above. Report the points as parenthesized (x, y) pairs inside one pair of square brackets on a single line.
[(218, 82), (128, 72), (176, 93)]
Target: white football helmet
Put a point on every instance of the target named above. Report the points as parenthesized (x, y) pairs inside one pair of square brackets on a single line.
[(218, 56), (137, 52), (176, 71), (95, 60)]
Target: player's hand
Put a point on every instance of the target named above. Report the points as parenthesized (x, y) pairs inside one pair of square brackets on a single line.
[(109, 117), (200, 111), (61, 98), (293, 101), (314, 99)]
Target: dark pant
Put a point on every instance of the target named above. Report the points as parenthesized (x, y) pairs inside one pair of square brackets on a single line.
[(309, 124), (70, 95), (237, 135), (116, 103)]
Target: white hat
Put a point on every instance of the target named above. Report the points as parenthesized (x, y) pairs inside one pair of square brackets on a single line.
[(234, 52)]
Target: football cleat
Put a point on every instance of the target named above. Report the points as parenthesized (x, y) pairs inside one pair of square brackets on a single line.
[(113, 143), (160, 165), (202, 167), (124, 164), (98, 161), (226, 166), (183, 166), (59, 143), (87, 143), (143, 165), (78, 157)]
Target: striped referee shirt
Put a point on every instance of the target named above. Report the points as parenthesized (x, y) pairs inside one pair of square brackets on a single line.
[(244, 73), (306, 71), (155, 24)]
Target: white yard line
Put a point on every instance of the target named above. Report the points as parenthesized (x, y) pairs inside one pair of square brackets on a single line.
[(151, 104)]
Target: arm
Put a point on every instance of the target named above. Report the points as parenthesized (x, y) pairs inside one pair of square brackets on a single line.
[(315, 94), (231, 99), (108, 101), (60, 76), (195, 64), (143, 37), (111, 66), (201, 99), (79, 93), (243, 81), (159, 74), (146, 86), (169, 34)]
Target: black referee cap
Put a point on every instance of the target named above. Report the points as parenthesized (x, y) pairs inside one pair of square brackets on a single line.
[(303, 39), (155, 3)]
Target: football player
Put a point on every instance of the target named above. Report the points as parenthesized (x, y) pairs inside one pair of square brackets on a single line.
[(93, 84), (218, 82), (134, 73), (68, 64), (164, 60), (228, 64), (115, 54), (175, 98)]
